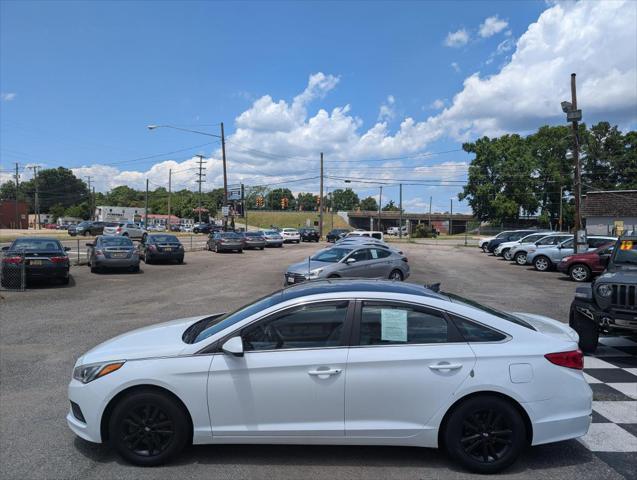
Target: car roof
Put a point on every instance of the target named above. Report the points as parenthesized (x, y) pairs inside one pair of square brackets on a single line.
[(315, 287)]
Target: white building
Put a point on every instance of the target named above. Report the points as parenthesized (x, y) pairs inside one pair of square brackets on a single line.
[(119, 214)]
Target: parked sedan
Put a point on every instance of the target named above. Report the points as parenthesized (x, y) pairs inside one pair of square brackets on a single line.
[(290, 235), (309, 234), (273, 238), (88, 228), (338, 363), (254, 240), (225, 241), (355, 261), (548, 258), (112, 252), (32, 258), (581, 267), (202, 227), (336, 234), (161, 246)]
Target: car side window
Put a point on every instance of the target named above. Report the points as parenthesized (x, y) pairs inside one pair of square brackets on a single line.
[(379, 253), (309, 326), (475, 332), (360, 255), (392, 324)]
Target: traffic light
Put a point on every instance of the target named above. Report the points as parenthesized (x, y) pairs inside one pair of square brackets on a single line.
[(260, 201), (284, 203)]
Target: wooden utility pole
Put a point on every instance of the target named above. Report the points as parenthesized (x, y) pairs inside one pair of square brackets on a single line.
[(200, 180), (90, 199), (578, 180), (170, 177), (225, 177), (400, 225), (380, 203), (18, 224), (451, 218), (561, 196), (430, 227), (37, 196), (321, 201), (146, 207)]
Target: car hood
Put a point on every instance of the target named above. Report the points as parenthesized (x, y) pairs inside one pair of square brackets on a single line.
[(549, 326), (619, 274), (508, 244), (159, 340), (302, 267)]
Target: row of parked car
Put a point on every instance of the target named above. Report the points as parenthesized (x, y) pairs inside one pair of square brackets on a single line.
[(547, 250)]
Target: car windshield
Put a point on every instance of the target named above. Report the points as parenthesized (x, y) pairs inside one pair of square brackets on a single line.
[(164, 238), (492, 311), (626, 253), (229, 319), (229, 235), (271, 232), (331, 255), (84, 224), (116, 242), (502, 234), (36, 244), (253, 234), (532, 238)]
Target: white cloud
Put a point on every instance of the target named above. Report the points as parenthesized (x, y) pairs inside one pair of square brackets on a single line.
[(7, 97), (455, 66), (457, 38), (505, 46), (438, 103), (491, 26), (387, 111)]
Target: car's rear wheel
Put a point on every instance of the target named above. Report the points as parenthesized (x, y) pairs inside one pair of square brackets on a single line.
[(587, 330), (542, 263), (485, 434), (148, 428), (216, 248), (86, 233), (65, 280), (580, 273), (520, 258), (506, 253), (144, 236), (396, 275)]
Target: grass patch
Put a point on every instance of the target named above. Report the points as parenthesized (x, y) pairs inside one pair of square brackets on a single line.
[(263, 219)]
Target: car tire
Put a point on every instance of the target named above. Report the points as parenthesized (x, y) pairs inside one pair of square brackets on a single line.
[(216, 248), (86, 233), (579, 273), (135, 268), (148, 259), (484, 248), (520, 258), (180, 260), (240, 250), (65, 280), (587, 330), (396, 275), (153, 420), (505, 254), (542, 263), (489, 424)]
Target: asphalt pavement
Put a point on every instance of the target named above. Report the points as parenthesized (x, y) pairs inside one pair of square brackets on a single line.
[(44, 329)]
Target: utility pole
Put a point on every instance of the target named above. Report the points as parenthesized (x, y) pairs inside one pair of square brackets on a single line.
[(451, 218), (331, 212), (400, 225), (200, 180), (18, 224), (578, 179), (146, 207), (94, 206), (430, 227), (37, 196), (90, 200), (561, 193), (170, 178), (225, 178), (380, 203), (244, 206), (321, 201)]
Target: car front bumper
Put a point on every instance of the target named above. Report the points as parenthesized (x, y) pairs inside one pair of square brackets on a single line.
[(608, 320)]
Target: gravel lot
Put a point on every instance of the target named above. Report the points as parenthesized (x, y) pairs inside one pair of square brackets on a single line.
[(43, 331)]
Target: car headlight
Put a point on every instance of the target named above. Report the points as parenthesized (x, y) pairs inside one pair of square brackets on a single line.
[(88, 373), (605, 290), (315, 273)]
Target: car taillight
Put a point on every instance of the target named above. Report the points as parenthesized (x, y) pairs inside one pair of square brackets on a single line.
[(99, 252), (12, 260), (58, 259), (119, 229), (573, 359)]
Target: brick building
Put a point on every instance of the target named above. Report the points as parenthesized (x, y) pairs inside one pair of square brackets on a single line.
[(8, 214)]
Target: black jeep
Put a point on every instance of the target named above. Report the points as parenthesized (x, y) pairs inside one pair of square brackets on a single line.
[(609, 304)]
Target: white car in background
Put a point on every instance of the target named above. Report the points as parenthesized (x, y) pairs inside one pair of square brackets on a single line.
[(127, 229), (290, 235), (338, 362), (504, 249)]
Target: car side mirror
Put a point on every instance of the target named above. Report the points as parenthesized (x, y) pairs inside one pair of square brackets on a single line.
[(90, 244), (67, 249), (233, 346), (350, 260)]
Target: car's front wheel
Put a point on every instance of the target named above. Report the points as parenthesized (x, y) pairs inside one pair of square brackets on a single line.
[(485, 434), (506, 253), (541, 263), (148, 428), (587, 330), (580, 273), (520, 258)]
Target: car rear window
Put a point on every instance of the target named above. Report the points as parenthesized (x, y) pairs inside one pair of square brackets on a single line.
[(116, 242), (35, 244), (491, 311), (164, 238)]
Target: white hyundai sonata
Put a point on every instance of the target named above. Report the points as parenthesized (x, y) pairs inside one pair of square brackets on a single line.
[(341, 363)]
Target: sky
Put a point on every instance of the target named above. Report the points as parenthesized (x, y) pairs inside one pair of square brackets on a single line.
[(388, 91)]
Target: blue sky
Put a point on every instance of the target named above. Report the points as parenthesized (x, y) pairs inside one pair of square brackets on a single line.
[(81, 80)]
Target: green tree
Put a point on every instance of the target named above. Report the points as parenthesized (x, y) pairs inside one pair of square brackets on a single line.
[(56, 186), (369, 204), (57, 211), (274, 199), (390, 207), (344, 200), (306, 202)]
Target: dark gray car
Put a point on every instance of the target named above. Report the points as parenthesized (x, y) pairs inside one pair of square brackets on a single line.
[(351, 261), (112, 252), (254, 240)]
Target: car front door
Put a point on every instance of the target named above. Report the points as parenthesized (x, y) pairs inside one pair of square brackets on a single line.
[(357, 264), (290, 380), (405, 363)]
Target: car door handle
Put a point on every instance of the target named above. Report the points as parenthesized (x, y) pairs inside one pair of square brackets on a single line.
[(446, 366), (331, 371)]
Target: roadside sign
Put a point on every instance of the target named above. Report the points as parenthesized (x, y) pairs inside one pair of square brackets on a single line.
[(225, 211), (234, 193)]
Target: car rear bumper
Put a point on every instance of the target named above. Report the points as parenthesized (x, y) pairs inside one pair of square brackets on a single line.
[(229, 246), (166, 255), (117, 262), (273, 242), (254, 244)]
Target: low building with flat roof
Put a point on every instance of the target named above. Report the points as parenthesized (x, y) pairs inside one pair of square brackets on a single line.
[(610, 212)]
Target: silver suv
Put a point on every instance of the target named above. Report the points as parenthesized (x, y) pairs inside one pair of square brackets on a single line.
[(350, 261), (127, 229)]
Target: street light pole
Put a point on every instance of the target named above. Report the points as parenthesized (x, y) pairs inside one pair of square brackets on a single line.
[(225, 176), (380, 202)]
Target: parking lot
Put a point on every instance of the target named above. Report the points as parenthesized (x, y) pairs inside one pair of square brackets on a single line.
[(44, 329)]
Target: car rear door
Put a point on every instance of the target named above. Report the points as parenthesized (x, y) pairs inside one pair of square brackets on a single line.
[(405, 363), (380, 262), (290, 380)]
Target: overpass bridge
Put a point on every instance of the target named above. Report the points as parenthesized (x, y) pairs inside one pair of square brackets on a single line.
[(370, 220)]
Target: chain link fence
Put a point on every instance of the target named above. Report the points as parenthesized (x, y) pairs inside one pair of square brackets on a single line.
[(13, 272)]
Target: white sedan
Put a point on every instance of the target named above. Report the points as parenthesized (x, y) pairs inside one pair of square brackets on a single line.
[(338, 363), (290, 235)]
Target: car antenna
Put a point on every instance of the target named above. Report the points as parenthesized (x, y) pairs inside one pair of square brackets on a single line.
[(434, 287), (308, 267)]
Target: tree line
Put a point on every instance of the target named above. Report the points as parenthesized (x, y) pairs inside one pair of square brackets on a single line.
[(513, 176)]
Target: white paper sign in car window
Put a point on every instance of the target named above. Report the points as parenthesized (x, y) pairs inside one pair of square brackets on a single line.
[(393, 325)]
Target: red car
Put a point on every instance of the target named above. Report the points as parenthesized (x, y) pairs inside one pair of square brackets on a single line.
[(582, 266)]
